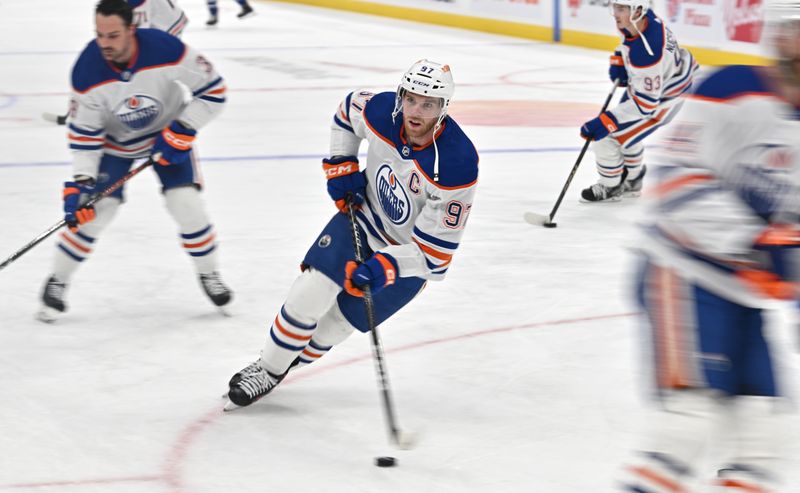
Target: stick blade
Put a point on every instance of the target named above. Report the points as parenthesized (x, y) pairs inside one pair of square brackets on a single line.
[(537, 219), (405, 440), (53, 118)]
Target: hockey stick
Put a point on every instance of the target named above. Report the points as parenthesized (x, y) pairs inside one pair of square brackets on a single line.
[(547, 221), (54, 118), (105, 193), (402, 440)]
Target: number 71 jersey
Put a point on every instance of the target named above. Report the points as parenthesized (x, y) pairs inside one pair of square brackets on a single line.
[(408, 214)]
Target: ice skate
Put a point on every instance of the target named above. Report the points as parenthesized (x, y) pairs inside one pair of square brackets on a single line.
[(602, 193), (633, 188), (247, 11), (52, 300), (251, 384), (217, 291), (212, 21)]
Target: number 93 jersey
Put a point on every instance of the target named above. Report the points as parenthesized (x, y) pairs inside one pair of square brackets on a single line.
[(408, 214)]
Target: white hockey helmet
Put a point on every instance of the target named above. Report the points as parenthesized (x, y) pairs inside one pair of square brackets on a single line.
[(635, 5), (427, 78)]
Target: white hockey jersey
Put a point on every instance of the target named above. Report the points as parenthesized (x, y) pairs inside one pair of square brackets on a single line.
[(120, 111), (655, 82), (407, 214), (164, 15), (728, 189)]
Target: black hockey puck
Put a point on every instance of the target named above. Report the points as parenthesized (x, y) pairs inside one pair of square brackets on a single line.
[(385, 461), (550, 225)]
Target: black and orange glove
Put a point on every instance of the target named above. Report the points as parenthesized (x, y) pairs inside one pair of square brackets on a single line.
[(76, 194), (377, 273), (174, 144), (344, 178)]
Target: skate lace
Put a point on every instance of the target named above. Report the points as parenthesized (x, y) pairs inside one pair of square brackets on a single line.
[(599, 190), (257, 382), (213, 284), (55, 289)]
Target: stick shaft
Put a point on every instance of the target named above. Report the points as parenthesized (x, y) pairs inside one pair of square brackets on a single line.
[(52, 229), (580, 158)]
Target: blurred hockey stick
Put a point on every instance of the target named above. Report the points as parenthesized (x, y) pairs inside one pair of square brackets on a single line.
[(547, 221), (105, 193), (402, 440), (54, 118)]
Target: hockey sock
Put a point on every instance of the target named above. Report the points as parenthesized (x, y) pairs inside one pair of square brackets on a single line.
[(198, 236), (310, 297), (755, 465), (633, 163), (332, 329), (74, 248), (677, 438)]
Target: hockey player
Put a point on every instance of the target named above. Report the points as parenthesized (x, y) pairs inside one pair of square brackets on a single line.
[(656, 73), (413, 198), (126, 106), (723, 238), (164, 15), (213, 11)]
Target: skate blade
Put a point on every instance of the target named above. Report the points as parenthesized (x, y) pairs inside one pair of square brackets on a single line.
[(604, 201), (47, 315), (224, 311), (632, 195), (247, 15), (230, 406)]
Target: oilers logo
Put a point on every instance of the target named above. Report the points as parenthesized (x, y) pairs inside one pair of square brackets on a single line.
[(392, 196), (138, 111)]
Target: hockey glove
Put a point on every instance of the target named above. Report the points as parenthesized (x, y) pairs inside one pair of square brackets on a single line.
[(174, 143), (345, 179), (616, 71), (77, 193), (599, 128), (377, 273)]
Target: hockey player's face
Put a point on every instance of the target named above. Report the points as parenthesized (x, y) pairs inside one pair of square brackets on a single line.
[(622, 15), (419, 116), (114, 38)]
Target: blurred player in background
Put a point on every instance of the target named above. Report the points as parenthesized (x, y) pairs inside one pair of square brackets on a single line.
[(126, 105), (413, 198), (213, 11), (656, 73), (722, 247), (164, 15)]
